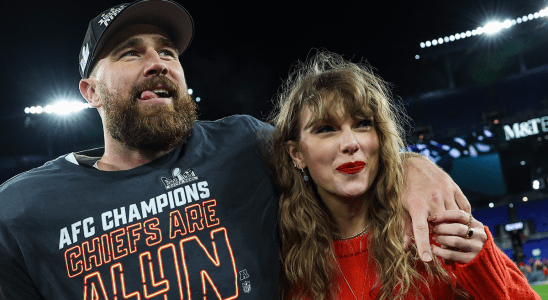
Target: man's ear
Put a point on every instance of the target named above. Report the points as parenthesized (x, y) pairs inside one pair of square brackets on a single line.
[(294, 151), (88, 89)]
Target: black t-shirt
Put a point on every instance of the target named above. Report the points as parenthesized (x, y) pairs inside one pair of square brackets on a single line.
[(196, 223)]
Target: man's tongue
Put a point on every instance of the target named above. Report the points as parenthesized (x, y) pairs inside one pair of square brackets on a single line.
[(146, 95)]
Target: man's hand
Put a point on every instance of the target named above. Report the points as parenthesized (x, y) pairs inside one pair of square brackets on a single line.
[(428, 190)]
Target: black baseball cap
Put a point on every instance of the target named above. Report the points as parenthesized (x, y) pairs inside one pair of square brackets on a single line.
[(167, 15)]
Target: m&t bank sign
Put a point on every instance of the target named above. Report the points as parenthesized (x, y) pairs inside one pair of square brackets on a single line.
[(527, 128)]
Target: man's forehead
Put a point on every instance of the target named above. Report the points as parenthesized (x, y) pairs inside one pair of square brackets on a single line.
[(134, 32)]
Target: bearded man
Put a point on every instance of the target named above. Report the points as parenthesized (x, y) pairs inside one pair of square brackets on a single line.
[(170, 207)]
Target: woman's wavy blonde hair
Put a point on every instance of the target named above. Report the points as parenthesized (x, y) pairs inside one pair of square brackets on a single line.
[(307, 229)]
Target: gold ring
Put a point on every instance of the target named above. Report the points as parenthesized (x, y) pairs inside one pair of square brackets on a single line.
[(470, 233), (470, 230)]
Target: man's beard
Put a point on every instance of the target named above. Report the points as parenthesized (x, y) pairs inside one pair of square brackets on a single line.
[(152, 128)]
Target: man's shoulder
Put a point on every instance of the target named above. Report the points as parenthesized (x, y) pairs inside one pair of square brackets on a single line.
[(38, 175), (242, 122)]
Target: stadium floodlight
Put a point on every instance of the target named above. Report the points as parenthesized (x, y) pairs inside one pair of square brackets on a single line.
[(62, 107), (491, 205), (198, 99), (190, 91), (417, 56), (490, 28), (536, 184), (493, 27), (440, 41)]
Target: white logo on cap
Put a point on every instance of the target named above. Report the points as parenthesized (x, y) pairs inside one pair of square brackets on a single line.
[(85, 55), (106, 18)]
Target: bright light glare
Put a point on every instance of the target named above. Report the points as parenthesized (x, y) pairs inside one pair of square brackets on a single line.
[(536, 184), (491, 205), (493, 27), (61, 108), (190, 91)]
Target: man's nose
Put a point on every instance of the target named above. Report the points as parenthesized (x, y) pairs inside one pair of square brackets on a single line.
[(154, 64)]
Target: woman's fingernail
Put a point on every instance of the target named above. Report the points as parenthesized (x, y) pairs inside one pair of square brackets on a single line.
[(426, 256)]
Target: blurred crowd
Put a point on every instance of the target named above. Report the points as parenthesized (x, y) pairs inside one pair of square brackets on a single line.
[(535, 270)]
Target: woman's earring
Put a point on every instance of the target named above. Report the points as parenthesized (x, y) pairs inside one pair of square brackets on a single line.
[(305, 177)]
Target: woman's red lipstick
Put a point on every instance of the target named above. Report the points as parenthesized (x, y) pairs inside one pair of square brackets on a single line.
[(351, 167)]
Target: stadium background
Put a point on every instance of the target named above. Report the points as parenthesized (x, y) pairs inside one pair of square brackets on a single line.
[(479, 102)]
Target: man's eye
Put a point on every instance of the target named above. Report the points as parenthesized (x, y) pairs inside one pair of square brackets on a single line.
[(324, 128), (167, 53), (129, 53)]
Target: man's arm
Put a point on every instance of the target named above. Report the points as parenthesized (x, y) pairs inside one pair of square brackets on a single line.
[(428, 190)]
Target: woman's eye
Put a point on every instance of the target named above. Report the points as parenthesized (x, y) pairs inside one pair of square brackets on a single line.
[(365, 123), (324, 128)]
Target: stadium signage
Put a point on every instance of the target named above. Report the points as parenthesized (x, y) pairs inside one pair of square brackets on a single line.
[(513, 226), (527, 128)]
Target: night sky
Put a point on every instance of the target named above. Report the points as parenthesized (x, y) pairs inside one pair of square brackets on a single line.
[(241, 52)]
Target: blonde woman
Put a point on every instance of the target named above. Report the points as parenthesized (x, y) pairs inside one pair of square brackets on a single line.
[(336, 151)]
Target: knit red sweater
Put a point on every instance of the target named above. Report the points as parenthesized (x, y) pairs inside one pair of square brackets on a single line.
[(491, 275)]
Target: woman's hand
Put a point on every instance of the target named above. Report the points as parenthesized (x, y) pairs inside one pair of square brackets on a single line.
[(428, 191), (461, 236)]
